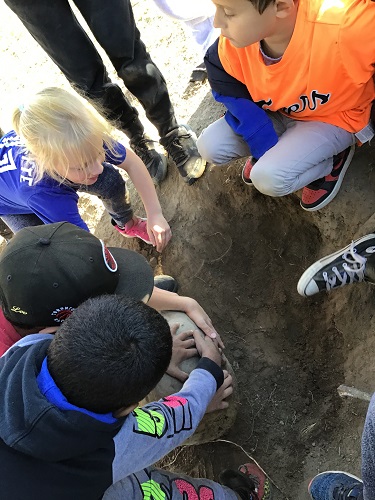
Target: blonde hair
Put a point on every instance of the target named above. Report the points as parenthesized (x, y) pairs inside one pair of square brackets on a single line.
[(55, 124)]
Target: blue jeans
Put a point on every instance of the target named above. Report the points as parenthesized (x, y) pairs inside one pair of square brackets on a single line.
[(368, 453), (110, 188)]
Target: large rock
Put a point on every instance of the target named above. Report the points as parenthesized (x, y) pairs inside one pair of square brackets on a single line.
[(213, 425)]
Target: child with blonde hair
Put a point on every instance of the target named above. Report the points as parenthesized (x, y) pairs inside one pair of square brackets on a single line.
[(61, 145)]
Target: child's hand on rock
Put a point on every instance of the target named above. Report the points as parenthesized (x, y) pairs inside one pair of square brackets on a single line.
[(199, 316), (207, 348), (218, 402), (183, 348)]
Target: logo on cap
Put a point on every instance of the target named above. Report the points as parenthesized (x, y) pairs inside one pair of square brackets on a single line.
[(17, 309), (109, 260), (61, 313)]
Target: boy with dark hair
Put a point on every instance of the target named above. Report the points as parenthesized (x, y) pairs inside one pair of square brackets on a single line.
[(130, 347), (69, 421), (47, 271), (296, 78)]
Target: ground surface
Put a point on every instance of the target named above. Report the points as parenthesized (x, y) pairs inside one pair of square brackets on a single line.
[(240, 254)]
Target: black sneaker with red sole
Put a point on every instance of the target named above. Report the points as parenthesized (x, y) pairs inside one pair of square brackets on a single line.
[(319, 193)]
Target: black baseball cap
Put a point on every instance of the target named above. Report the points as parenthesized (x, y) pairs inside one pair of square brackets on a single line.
[(47, 271)]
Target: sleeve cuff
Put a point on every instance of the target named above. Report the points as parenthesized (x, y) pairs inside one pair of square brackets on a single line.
[(215, 370)]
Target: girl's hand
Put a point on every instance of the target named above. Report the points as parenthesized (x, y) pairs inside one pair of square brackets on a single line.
[(197, 314), (159, 231)]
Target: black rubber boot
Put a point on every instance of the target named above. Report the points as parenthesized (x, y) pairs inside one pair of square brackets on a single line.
[(180, 144), (125, 117), (155, 162), (165, 282)]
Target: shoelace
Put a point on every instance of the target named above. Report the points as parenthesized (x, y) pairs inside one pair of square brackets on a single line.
[(179, 155), (348, 492), (251, 491), (141, 149), (354, 268)]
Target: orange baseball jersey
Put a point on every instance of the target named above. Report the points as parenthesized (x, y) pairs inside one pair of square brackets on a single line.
[(326, 71)]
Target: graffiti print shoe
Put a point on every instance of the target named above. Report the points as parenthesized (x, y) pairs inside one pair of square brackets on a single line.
[(336, 485), (319, 193), (346, 266), (249, 482)]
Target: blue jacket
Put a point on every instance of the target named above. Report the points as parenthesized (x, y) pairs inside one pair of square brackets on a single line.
[(245, 117), (51, 449), (48, 199)]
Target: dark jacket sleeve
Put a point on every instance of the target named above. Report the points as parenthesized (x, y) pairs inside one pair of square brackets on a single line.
[(244, 116)]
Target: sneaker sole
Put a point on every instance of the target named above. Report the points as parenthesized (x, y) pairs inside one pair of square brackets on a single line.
[(247, 182), (200, 171), (203, 163), (310, 272), (142, 239), (338, 184), (333, 472)]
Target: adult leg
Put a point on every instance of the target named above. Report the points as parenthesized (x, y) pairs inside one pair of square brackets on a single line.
[(163, 485), (198, 15), (16, 222), (113, 25), (57, 30), (368, 453), (55, 27)]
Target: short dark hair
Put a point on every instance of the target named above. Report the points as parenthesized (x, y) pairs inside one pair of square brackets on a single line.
[(261, 5), (110, 353)]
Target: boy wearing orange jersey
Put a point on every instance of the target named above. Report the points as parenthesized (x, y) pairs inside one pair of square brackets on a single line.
[(296, 78)]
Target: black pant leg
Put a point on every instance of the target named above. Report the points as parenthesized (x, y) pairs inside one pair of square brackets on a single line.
[(55, 27), (113, 25)]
